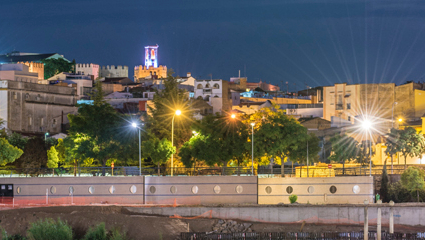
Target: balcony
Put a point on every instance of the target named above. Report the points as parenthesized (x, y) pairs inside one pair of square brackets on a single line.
[(339, 106)]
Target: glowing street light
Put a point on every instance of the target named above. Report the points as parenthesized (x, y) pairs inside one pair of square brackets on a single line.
[(252, 156), (233, 116), (367, 125), (400, 120), (134, 125), (178, 113)]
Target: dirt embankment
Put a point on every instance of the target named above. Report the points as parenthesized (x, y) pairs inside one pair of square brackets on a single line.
[(17, 221)]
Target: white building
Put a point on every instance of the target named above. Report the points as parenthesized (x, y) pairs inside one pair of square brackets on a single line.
[(113, 71), (188, 80), (216, 93), (303, 110), (17, 72), (87, 69), (83, 83)]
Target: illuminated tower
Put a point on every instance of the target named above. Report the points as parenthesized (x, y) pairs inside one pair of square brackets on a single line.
[(151, 56)]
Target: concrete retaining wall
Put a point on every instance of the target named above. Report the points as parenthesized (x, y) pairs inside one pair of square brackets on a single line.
[(200, 190), (347, 215), (81, 190), (316, 190)]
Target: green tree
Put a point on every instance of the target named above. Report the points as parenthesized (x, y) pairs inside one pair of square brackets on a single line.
[(278, 135), (384, 184), (215, 132), (392, 143), (8, 152), (34, 156), (52, 158), (410, 143), (413, 180), (55, 66), (159, 151), (344, 148), (165, 104), (17, 140), (94, 131), (313, 150)]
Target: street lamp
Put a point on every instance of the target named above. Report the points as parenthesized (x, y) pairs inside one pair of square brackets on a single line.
[(233, 116), (140, 148), (45, 136), (178, 112), (252, 156), (400, 120), (367, 124)]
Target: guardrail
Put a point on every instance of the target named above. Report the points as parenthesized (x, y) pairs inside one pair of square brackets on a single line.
[(198, 171), (299, 236)]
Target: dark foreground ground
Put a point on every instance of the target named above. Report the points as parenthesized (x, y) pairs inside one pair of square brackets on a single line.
[(17, 221)]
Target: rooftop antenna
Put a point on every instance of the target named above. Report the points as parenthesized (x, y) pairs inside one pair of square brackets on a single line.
[(244, 66), (239, 73)]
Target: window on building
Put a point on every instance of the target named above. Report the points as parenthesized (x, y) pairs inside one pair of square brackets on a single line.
[(15, 95), (208, 85), (38, 97), (199, 86), (348, 106), (27, 96), (349, 118), (216, 86)]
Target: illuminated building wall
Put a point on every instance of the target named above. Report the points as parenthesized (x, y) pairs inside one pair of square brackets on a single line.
[(87, 69), (35, 68), (142, 72)]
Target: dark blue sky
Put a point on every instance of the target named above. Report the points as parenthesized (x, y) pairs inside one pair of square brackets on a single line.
[(316, 42)]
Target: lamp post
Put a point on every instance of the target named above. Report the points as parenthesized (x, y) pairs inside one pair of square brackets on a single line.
[(367, 125), (252, 155), (140, 149), (307, 159), (178, 112), (45, 136)]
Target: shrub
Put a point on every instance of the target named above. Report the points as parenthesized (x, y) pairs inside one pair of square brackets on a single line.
[(293, 198), (50, 229), (117, 235), (5, 236), (96, 233)]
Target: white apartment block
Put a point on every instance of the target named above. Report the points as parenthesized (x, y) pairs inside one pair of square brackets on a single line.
[(113, 71), (87, 69), (215, 92)]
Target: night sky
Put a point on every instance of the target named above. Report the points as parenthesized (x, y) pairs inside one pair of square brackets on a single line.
[(311, 42)]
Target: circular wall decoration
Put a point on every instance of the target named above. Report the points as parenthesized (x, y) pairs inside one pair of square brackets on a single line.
[(268, 190), (356, 189), (289, 189), (217, 189), (71, 189), (133, 189), (310, 189), (111, 190), (332, 189), (173, 189), (152, 189), (239, 189), (53, 190), (91, 189), (195, 189), (18, 190)]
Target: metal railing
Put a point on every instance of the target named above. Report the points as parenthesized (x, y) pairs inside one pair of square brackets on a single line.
[(299, 236), (200, 171)]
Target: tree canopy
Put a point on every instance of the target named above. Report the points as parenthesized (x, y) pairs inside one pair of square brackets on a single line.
[(8, 152), (159, 151), (94, 131), (413, 180), (54, 66)]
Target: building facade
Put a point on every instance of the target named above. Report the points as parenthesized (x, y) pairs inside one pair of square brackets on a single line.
[(87, 69), (17, 72), (113, 71), (143, 72), (35, 67), (215, 92), (383, 100), (36, 108)]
